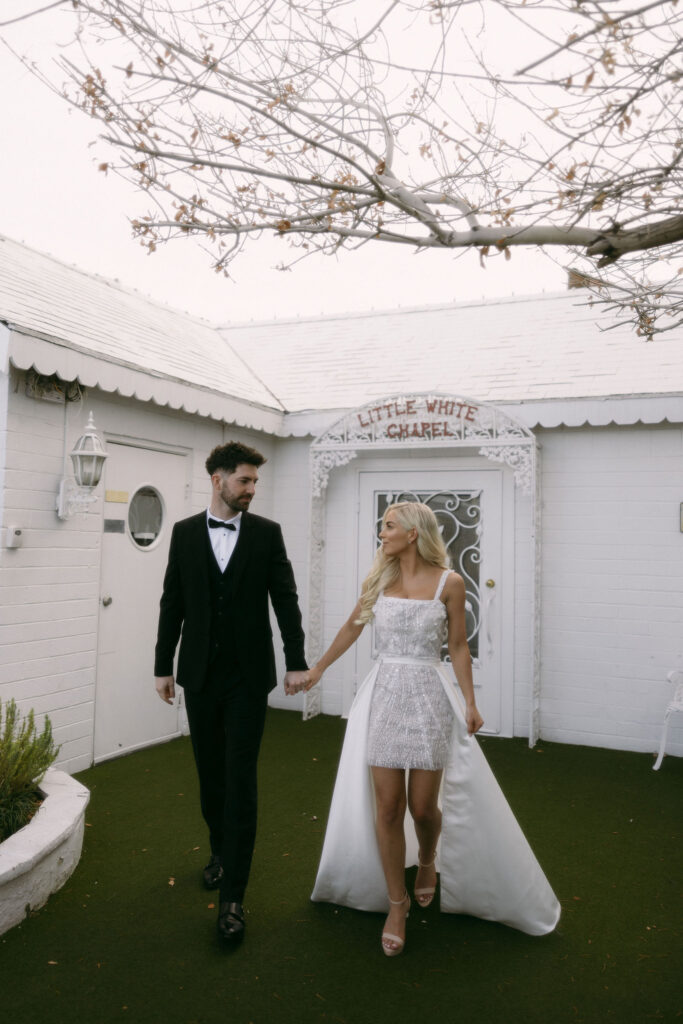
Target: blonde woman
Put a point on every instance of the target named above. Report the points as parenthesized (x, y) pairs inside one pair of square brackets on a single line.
[(406, 728)]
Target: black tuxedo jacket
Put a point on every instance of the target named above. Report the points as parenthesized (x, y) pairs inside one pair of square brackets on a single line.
[(260, 569)]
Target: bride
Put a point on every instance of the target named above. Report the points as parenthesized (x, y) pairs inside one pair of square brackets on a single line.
[(407, 719)]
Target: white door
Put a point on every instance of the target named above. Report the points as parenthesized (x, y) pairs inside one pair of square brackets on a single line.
[(144, 496), (468, 505)]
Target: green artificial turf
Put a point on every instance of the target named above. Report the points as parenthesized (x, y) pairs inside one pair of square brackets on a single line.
[(131, 937)]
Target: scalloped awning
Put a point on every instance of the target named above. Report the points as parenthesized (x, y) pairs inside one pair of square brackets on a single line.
[(47, 357)]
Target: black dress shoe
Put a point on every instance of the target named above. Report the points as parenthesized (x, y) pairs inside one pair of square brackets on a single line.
[(213, 873), (231, 924)]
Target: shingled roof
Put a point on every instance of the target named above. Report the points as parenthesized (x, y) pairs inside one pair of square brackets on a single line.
[(117, 339), (548, 351), (505, 350)]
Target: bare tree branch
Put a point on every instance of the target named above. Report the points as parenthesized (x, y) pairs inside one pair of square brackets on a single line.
[(310, 118), (32, 14)]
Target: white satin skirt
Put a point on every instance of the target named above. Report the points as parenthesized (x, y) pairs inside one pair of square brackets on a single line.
[(487, 867)]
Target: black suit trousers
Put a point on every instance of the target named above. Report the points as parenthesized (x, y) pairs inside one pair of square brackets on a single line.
[(226, 725)]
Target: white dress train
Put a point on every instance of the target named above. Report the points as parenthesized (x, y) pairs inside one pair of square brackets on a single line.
[(487, 867)]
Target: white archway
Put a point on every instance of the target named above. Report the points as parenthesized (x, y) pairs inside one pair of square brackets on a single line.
[(418, 421)]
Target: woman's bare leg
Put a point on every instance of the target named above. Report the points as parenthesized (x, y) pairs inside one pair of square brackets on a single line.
[(390, 796), (423, 796)]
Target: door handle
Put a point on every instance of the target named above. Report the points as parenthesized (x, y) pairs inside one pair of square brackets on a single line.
[(106, 601)]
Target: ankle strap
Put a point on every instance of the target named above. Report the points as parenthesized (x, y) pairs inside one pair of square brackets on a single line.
[(403, 898)]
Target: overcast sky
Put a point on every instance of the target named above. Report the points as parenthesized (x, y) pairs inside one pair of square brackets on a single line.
[(55, 200)]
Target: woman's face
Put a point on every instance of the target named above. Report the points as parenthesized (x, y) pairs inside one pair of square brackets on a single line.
[(395, 538)]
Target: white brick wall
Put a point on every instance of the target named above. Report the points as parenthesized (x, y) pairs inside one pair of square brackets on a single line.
[(4, 403), (287, 473), (612, 584), (292, 510), (523, 667), (341, 586), (612, 560), (49, 587)]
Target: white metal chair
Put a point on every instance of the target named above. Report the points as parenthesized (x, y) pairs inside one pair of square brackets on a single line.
[(675, 677)]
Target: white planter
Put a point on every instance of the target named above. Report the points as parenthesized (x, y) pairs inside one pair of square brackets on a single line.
[(37, 860)]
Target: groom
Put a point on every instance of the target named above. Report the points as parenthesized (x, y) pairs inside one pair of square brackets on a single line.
[(223, 564)]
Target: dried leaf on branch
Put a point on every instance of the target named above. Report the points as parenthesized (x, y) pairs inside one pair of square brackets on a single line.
[(481, 125)]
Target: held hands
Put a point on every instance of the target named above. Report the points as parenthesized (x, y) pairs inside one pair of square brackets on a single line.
[(295, 682), (473, 719), (165, 688)]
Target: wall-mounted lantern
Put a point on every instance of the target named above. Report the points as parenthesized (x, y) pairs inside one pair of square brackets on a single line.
[(87, 455)]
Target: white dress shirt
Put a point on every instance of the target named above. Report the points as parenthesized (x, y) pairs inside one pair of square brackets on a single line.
[(223, 541)]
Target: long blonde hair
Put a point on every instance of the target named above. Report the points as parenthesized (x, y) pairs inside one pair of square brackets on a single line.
[(386, 569)]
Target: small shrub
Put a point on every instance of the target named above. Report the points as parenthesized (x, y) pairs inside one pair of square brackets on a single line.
[(25, 756)]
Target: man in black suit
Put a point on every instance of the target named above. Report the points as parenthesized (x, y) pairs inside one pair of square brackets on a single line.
[(223, 564)]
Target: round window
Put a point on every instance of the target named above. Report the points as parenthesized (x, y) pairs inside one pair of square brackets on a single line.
[(145, 515)]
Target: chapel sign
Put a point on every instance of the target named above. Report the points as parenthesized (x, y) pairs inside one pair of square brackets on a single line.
[(419, 420), (423, 417)]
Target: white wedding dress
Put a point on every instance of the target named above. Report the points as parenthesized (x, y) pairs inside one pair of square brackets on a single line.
[(487, 867)]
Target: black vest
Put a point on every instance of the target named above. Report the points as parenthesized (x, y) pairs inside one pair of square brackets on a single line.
[(222, 661)]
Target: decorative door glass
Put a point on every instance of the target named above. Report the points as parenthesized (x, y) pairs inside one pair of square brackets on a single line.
[(458, 514)]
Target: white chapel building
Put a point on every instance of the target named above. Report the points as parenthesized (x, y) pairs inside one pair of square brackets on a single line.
[(549, 446)]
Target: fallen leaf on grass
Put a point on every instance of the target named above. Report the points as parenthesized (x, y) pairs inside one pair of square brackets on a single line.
[(171, 881)]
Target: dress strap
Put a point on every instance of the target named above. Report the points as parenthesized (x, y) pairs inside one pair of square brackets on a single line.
[(442, 582)]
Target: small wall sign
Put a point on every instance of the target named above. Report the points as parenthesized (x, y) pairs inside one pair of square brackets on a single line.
[(116, 496), (114, 526)]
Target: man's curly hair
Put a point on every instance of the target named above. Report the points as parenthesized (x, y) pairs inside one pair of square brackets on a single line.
[(231, 455)]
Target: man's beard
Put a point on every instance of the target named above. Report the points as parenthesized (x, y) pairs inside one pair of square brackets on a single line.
[(236, 504)]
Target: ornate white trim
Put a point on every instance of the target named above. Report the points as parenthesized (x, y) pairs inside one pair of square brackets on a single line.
[(409, 422), (519, 458), (312, 703), (313, 698), (323, 462)]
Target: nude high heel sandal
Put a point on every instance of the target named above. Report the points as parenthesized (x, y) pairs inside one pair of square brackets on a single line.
[(400, 943), (425, 896)]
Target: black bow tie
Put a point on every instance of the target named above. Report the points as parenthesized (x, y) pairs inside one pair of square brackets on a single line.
[(215, 523)]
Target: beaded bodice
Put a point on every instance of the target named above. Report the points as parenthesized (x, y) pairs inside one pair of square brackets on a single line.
[(405, 627)]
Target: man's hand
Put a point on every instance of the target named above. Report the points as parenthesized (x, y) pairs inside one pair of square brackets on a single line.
[(295, 681), (165, 688)]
